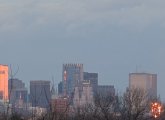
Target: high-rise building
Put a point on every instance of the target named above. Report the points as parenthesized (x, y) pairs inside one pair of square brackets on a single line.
[(4, 82), (144, 81), (93, 79), (40, 93), (83, 95), (72, 76), (17, 91)]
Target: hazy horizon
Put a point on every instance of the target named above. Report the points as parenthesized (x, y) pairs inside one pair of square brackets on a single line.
[(110, 37)]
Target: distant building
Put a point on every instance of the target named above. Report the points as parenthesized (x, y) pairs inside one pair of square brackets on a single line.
[(83, 94), (40, 93), (144, 81), (93, 79), (60, 105), (16, 83), (72, 76), (60, 87), (17, 91), (106, 90), (4, 83)]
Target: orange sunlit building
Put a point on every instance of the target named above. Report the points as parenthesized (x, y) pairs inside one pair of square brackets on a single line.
[(3, 82)]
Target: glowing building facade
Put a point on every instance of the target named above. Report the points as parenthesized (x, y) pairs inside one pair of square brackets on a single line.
[(4, 82)]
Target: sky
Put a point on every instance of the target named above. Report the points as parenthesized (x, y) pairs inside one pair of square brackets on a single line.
[(110, 37)]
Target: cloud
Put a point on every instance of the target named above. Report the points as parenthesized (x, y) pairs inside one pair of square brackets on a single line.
[(74, 14)]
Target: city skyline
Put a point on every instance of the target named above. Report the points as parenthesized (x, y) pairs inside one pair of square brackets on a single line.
[(75, 72), (111, 38), (43, 99)]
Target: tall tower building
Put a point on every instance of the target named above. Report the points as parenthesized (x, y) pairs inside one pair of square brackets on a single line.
[(144, 81), (4, 82), (72, 76), (40, 93)]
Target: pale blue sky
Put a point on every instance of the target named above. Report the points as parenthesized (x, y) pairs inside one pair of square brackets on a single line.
[(110, 37)]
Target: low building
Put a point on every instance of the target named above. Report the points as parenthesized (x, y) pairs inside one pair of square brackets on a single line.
[(106, 90), (60, 105)]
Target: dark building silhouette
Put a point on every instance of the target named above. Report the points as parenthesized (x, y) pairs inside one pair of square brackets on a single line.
[(106, 90), (40, 93), (60, 87), (93, 79)]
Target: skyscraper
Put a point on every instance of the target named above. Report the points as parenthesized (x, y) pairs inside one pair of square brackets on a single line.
[(72, 76), (40, 93), (83, 94), (17, 90), (93, 79), (4, 82), (144, 81)]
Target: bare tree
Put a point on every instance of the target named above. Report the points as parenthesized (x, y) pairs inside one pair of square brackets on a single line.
[(135, 105), (105, 104), (87, 112)]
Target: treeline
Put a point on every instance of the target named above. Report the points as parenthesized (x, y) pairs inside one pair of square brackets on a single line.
[(132, 105)]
